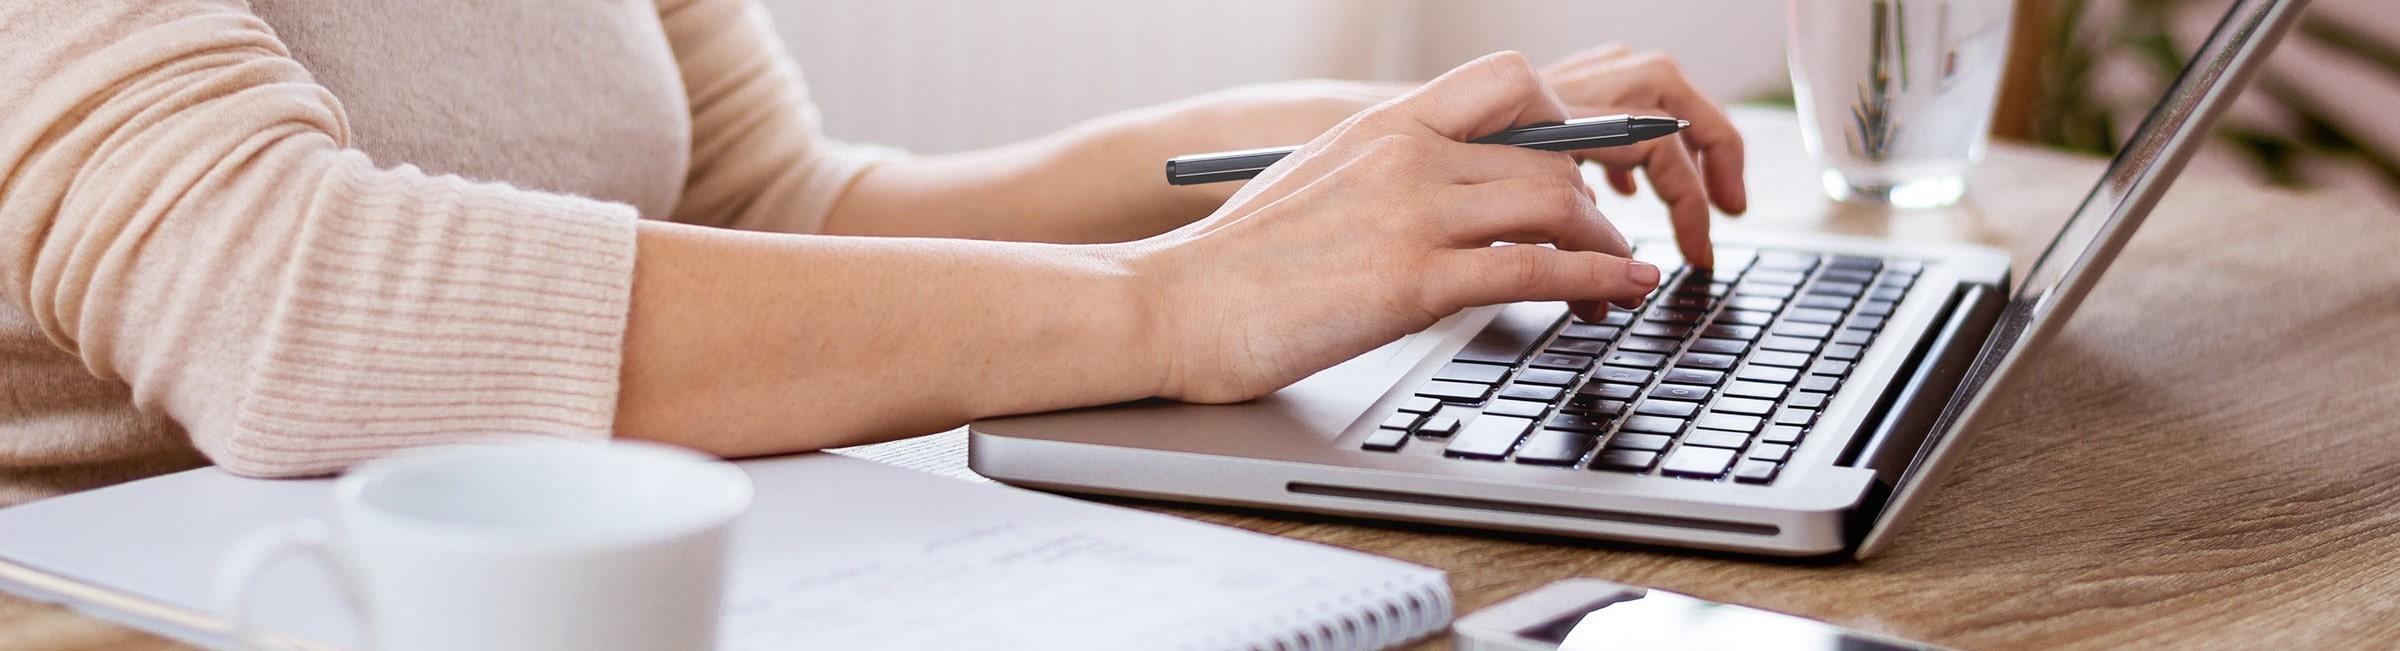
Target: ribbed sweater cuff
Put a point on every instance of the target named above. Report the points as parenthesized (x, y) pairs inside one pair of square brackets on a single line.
[(429, 310)]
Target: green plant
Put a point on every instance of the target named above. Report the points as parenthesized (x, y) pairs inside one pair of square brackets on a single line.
[(2068, 114)]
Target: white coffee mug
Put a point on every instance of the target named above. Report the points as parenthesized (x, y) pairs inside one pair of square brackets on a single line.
[(521, 547)]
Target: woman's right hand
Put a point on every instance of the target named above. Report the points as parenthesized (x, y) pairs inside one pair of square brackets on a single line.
[(1377, 229)]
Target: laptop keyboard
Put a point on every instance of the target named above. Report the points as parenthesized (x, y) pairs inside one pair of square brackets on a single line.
[(1717, 376)]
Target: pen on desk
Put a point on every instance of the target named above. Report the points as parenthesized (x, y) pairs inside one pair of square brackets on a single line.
[(1582, 133)]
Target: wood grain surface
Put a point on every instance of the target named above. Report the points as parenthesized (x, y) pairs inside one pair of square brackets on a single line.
[(2207, 457)]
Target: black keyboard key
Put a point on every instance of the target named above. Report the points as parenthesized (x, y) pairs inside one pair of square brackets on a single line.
[(1680, 392), (1488, 437), (1654, 424), (1518, 408), (1760, 303), (1783, 359), (1825, 383), (1791, 344), (1695, 376), (1716, 439), (1779, 375), (1843, 352), (1830, 367), (1649, 344), (1854, 262), (1687, 461), (1554, 448), (1721, 346), (1384, 440), (1729, 331), (1810, 330), (1838, 289), (1876, 308), (1745, 317), (1546, 376), (1897, 282), (1771, 452), (1783, 434), (1625, 460), (1728, 422), (1577, 423), (1795, 417), (1671, 408), (1707, 361), (1674, 316), (1601, 407), (1402, 421), (1467, 392), (1617, 318), (1812, 315), (1578, 346), (1853, 337), (1823, 302), (1808, 400), (1447, 421), (1610, 390), (1745, 406), (1755, 472), (1471, 372), (1735, 259), (1420, 405), (1588, 331), (1635, 360), (1637, 441), (1786, 261), (1656, 329), (1867, 323), (1775, 277), (1534, 392), (1765, 289), (1621, 375), (1848, 276), (1562, 361), (1907, 267), (1682, 301), (1886, 294), (1759, 390)]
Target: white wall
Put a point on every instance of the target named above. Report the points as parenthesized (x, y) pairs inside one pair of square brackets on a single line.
[(943, 75)]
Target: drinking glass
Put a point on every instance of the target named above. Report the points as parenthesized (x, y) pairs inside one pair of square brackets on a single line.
[(1895, 96)]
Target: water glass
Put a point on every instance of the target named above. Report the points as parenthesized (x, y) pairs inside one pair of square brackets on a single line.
[(1895, 96)]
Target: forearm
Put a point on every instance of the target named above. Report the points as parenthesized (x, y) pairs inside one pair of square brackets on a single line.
[(746, 343)]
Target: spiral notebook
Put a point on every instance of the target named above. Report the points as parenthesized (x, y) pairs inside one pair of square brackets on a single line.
[(836, 553)]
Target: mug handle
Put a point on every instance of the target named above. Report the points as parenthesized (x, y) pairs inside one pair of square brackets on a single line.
[(252, 554)]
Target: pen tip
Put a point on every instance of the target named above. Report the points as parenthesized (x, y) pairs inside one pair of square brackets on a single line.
[(1683, 124)]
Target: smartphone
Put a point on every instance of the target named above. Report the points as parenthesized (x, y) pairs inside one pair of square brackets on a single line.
[(1586, 614)]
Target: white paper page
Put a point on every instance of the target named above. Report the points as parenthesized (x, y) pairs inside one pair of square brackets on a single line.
[(836, 553)]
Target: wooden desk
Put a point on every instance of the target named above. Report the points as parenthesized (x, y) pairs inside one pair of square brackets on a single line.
[(2209, 456)]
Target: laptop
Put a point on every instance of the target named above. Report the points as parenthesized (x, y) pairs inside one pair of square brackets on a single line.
[(1796, 400)]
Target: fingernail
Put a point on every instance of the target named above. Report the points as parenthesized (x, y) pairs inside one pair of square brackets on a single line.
[(1641, 272)]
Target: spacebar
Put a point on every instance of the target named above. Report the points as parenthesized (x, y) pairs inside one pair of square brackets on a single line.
[(1513, 335)]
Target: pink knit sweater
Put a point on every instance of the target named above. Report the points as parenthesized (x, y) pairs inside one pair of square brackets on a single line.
[(288, 235)]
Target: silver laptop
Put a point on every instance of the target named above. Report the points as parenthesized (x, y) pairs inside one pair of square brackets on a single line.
[(1796, 400)]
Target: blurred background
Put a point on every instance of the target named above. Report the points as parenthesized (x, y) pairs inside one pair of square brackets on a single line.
[(943, 75)]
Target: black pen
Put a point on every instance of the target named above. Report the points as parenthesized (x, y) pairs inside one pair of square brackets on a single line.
[(1581, 133)]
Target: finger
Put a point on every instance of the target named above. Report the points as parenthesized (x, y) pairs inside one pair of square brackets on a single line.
[(1678, 184), (1547, 209), (1486, 95), (1528, 272), (1468, 163), (1620, 179), (1593, 56), (1711, 133)]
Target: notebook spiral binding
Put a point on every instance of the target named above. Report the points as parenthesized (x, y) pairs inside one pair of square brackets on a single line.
[(1380, 617)]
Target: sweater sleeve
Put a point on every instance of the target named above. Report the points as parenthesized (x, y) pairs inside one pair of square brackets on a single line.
[(760, 159), (179, 209)]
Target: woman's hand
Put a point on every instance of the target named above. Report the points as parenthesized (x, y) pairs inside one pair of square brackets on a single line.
[(1377, 229), (1615, 79)]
